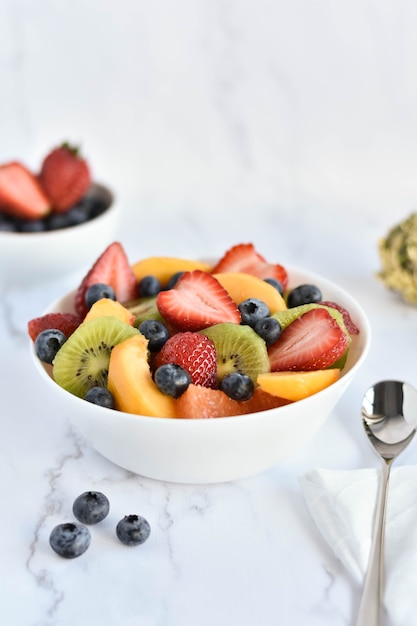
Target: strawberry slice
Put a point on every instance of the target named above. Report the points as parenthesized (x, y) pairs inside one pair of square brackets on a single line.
[(349, 323), (313, 341), (197, 301), (111, 268), (193, 352), (244, 258), (65, 322), (20, 193)]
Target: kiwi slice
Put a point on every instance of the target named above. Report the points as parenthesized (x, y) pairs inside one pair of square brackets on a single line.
[(239, 349), (144, 309), (287, 316), (83, 360)]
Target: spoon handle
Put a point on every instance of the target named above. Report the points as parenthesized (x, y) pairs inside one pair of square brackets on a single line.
[(372, 596)]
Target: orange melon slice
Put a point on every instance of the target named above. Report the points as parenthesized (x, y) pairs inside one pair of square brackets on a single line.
[(297, 385), (163, 267), (199, 402), (106, 306), (241, 286), (130, 381)]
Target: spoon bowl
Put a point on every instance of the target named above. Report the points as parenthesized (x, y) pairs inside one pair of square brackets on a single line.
[(389, 416)]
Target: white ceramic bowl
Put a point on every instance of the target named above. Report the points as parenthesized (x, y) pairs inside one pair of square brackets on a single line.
[(31, 258), (212, 450)]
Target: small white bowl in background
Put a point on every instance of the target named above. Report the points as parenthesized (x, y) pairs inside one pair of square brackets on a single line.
[(32, 258), (219, 449)]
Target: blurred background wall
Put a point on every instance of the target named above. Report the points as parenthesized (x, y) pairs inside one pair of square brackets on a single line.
[(221, 109)]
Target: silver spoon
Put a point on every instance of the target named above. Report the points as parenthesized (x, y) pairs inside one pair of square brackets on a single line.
[(389, 416)]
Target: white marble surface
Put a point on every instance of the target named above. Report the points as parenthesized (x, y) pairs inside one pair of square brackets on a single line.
[(292, 125)]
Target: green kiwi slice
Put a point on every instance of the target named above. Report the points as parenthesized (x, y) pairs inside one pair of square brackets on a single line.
[(239, 349), (143, 309), (83, 360), (287, 316)]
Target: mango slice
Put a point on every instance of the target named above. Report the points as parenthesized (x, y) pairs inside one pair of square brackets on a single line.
[(163, 267), (106, 306), (241, 286), (296, 385), (130, 381)]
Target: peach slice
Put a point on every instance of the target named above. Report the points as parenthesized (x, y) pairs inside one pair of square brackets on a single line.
[(242, 286), (130, 381), (106, 306), (297, 385), (163, 267)]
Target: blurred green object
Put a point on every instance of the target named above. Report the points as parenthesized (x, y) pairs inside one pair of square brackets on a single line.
[(398, 253)]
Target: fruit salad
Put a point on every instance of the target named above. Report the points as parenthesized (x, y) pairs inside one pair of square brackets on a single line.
[(178, 338), (60, 195)]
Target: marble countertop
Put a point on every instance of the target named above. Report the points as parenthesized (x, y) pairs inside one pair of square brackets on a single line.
[(215, 122)]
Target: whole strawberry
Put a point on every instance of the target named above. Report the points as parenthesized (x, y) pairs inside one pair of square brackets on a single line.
[(193, 352), (65, 177)]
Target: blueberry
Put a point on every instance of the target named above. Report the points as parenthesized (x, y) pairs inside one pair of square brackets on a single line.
[(149, 286), (237, 386), (173, 280), (76, 215), (57, 221), (93, 205), (304, 294), (133, 530), (252, 310), (97, 291), (275, 283), (47, 344), (172, 379), (32, 226), (91, 507), (70, 540), (155, 332), (269, 329), (7, 224), (101, 396)]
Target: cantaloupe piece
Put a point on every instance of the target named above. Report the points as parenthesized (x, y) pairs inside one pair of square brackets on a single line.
[(130, 381), (107, 306), (241, 286), (296, 385), (199, 402), (163, 267), (262, 401)]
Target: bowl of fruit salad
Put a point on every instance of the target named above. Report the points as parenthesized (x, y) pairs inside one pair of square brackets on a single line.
[(45, 215), (199, 371)]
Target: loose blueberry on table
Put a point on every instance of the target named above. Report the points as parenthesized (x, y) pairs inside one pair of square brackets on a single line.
[(133, 530), (91, 507), (70, 539)]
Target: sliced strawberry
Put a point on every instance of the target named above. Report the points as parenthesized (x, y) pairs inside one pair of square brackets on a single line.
[(313, 341), (349, 323), (111, 268), (197, 301), (65, 176), (20, 193), (244, 258), (65, 322), (195, 353)]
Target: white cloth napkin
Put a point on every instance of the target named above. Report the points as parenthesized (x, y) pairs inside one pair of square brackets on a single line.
[(342, 504)]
